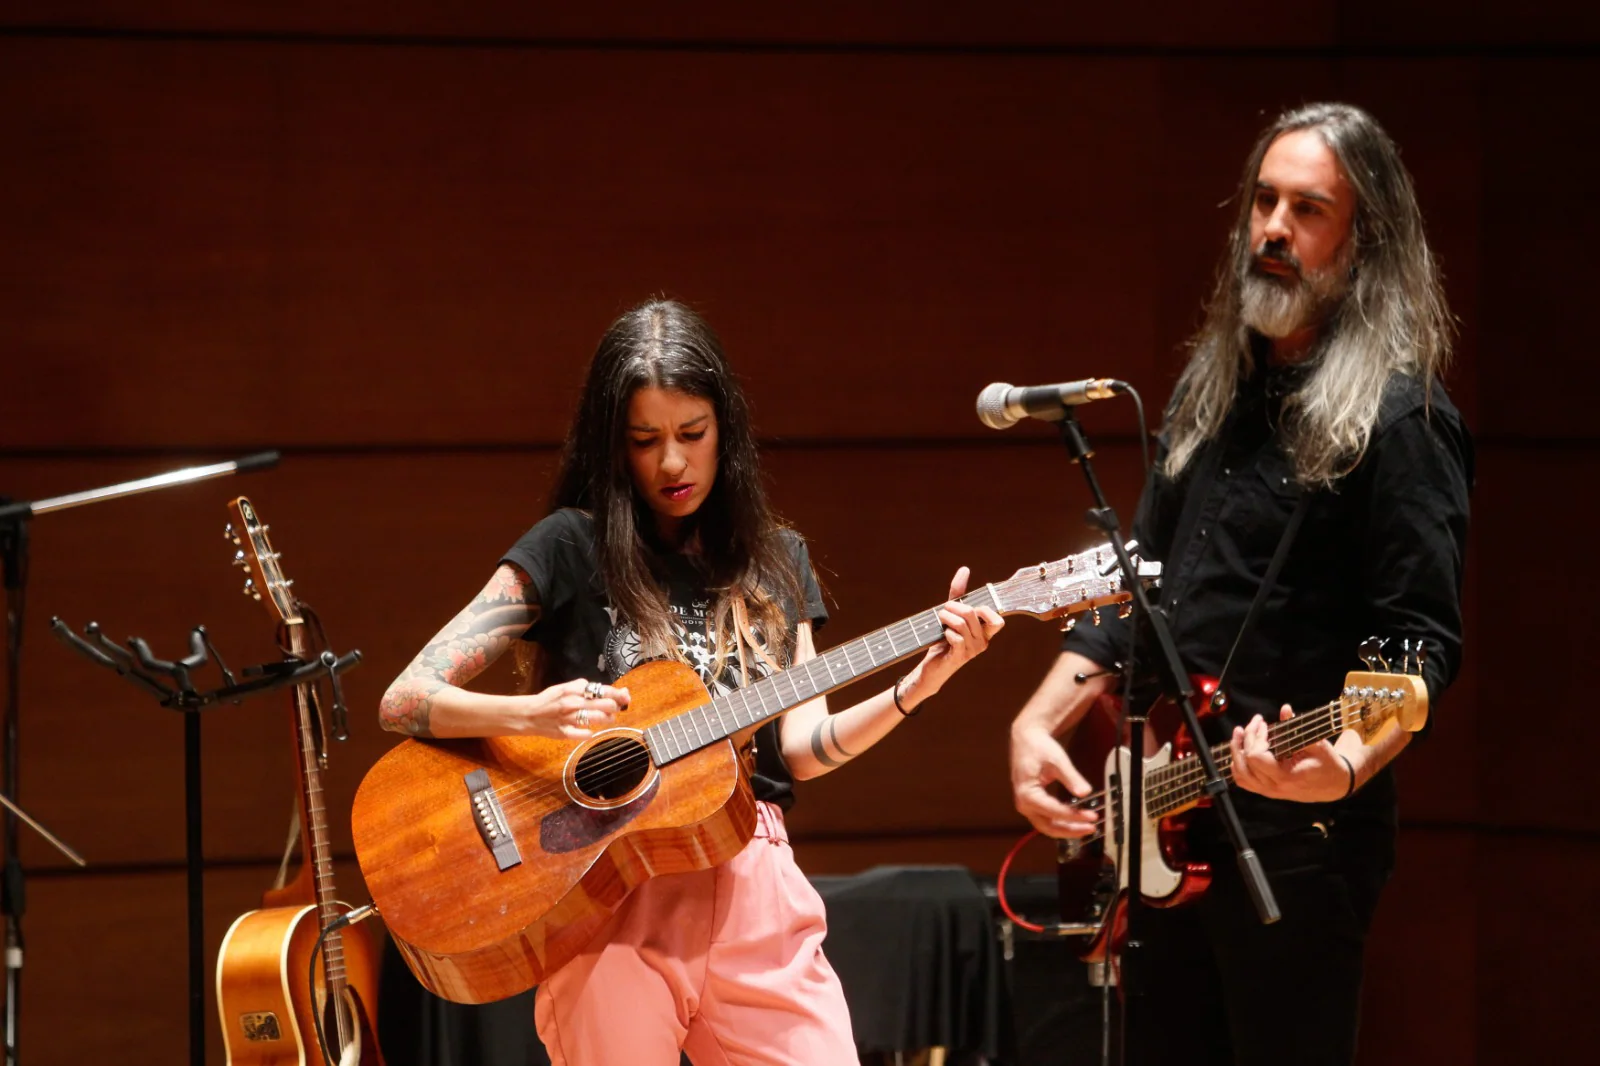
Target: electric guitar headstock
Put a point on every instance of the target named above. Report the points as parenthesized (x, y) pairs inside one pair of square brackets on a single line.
[(1087, 581), (1371, 698), (264, 580)]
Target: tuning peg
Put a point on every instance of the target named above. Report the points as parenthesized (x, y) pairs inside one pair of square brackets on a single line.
[(1069, 623), (1094, 614), (230, 535), (1125, 611), (1419, 655), (1371, 653), (250, 588)]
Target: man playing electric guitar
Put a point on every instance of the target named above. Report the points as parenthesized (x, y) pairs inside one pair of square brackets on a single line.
[(1316, 375)]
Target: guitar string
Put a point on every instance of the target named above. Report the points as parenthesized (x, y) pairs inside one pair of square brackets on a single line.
[(629, 761), (1171, 780), (1175, 779), (634, 755), (1295, 734), (1167, 784)]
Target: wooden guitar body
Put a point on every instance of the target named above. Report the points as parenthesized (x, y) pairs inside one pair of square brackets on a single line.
[(496, 861), (262, 996), (590, 821), (268, 1010)]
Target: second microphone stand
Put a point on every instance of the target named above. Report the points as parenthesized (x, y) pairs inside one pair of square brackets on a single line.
[(1175, 684)]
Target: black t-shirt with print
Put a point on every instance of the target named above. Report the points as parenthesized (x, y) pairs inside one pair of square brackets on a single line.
[(581, 635)]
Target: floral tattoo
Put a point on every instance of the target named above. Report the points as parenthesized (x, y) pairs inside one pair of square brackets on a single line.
[(460, 651)]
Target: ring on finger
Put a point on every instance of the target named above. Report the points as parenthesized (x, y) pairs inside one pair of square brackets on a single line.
[(591, 691), (583, 718)]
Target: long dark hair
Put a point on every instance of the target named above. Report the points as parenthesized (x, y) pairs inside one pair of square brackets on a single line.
[(665, 345), (1393, 319)]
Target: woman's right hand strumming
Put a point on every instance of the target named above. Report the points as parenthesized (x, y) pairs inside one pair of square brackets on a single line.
[(428, 698), (572, 710)]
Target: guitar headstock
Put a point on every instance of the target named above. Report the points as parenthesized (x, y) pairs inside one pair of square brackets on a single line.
[(264, 580), (1371, 697), (1083, 582)]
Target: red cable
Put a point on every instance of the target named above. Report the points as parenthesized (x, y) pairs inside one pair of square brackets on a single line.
[(1000, 885)]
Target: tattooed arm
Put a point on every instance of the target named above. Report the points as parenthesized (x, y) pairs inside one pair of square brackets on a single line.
[(428, 700)]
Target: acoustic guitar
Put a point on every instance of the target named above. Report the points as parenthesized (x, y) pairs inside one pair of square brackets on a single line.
[(495, 861), (267, 1009)]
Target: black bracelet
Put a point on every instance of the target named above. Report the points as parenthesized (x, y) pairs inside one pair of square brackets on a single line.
[(1348, 765), (900, 706)]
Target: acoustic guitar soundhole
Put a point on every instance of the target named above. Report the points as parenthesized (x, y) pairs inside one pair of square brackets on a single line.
[(612, 768)]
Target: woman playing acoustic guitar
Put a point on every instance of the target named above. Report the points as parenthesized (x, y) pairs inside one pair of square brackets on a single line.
[(660, 544)]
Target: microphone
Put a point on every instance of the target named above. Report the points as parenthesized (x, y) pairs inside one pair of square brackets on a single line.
[(1002, 405)]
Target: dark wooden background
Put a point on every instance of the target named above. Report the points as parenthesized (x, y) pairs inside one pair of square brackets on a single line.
[(385, 237)]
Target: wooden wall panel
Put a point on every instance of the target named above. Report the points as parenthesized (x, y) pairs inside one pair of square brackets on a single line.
[(1537, 929), (1533, 693), (898, 22), (1536, 345), (1419, 1001), (320, 239)]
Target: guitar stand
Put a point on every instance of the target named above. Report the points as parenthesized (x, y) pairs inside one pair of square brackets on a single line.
[(172, 684)]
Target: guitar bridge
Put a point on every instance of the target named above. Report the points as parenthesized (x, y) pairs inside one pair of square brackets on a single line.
[(490, 819)]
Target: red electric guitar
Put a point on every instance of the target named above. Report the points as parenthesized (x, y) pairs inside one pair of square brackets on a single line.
[(1371, 702)]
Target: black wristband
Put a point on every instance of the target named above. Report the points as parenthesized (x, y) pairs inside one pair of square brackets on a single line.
[(900, 706), (1348, 765)]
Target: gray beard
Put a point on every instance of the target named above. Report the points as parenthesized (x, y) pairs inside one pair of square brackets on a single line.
[(1276, 308)]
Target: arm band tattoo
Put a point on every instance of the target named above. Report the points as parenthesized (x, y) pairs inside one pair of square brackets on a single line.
[(820, 750)]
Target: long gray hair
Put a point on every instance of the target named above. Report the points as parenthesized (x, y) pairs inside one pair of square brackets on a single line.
[(1392, 319)]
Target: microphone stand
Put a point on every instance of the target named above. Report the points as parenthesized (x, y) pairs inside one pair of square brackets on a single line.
[(1175, 684), (14, 532)]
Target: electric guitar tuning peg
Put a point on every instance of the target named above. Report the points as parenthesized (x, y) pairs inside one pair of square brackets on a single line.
[(1371, 653), (1419, 655)]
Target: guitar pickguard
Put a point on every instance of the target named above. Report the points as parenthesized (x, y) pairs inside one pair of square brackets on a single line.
[(1159, 879), (573, 827)]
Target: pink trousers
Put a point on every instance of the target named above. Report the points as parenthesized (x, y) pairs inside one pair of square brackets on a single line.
[(725, 964)]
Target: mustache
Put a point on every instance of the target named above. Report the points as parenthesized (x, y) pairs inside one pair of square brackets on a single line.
[(1275, 252)]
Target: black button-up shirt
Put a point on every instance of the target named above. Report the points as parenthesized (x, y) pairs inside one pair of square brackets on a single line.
[(1380, 554)]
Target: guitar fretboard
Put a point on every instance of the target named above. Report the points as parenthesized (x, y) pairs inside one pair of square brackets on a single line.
[(771, 696), (1175, 787), (1087, 580)]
